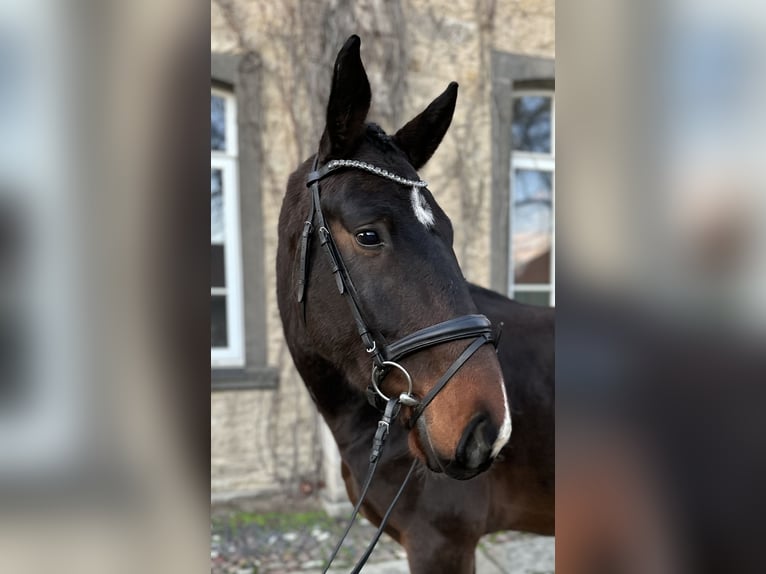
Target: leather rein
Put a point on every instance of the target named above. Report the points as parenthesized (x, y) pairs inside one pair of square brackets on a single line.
[(385, 357)]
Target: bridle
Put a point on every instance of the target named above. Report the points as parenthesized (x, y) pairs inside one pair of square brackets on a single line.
[(385, 357)]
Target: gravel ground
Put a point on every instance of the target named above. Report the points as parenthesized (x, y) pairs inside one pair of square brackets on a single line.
[(281, 543), (282, 537)]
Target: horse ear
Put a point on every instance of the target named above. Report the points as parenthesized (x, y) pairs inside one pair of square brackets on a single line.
[(349, 102), (423, 134)]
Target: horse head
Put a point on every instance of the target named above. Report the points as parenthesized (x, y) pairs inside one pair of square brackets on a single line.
[(396, 243)]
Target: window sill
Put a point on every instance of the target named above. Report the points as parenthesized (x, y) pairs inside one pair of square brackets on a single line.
[(233, 379)]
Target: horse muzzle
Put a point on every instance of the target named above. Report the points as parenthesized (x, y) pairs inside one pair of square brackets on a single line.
[(473, 454)]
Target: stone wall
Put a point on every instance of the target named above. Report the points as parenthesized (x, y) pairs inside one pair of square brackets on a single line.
[(411, 49)]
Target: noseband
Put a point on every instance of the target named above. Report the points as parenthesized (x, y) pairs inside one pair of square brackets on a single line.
[(385, 357)]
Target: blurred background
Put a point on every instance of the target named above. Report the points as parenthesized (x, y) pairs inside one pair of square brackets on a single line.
[(661, 216), (108, 284), (103, 448)]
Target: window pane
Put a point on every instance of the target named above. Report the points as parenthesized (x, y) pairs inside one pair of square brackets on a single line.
[(216, 206), (218, 336), (531, 124), (542, 298), (532, 225), (217, 268), (217, 123)]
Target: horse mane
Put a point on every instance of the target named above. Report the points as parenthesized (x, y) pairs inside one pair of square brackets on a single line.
[(380, 139)]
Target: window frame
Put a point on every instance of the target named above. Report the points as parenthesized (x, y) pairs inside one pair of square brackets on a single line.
[(533, 161), (233, 355)]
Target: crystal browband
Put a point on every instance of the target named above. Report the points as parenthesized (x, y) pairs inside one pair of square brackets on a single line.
[(336, 163)]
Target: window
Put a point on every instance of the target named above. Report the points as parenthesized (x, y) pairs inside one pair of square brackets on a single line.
[(226, 309), (531, 271)]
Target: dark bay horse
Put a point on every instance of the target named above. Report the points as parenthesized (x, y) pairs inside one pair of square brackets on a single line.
[(475, 474)]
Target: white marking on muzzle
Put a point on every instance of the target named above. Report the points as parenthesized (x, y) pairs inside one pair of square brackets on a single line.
[(505, 428), (421, 208)]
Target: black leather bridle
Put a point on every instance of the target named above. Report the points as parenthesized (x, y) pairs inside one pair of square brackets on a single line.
[(384, 356)]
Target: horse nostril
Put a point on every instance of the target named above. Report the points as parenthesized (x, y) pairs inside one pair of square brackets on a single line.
[(475, 445)]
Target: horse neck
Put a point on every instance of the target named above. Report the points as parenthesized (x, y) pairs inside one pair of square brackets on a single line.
[(343, 407)]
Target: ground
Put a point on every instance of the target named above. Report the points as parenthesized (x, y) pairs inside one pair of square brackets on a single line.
[(280, 535)]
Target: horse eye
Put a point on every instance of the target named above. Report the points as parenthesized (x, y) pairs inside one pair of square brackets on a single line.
[(368, 238)]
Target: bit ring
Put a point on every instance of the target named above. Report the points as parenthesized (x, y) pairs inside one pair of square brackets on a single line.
[(408, 398)]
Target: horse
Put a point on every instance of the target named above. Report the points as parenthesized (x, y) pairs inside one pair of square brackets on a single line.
[(483, 440)]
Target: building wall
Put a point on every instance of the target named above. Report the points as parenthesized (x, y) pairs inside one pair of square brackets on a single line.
[(411, 49)]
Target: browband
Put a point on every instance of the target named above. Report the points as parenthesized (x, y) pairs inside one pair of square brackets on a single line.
[(316, 175)]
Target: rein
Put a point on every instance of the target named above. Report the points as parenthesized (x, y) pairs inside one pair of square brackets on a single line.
[(385, 357)]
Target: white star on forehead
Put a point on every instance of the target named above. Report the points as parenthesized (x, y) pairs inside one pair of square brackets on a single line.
[(421, 208)]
